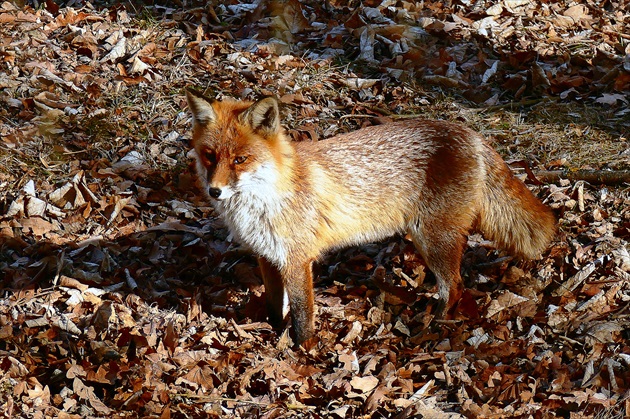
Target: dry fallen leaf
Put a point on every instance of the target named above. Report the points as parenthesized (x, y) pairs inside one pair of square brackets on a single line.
[(364, 384), (504, 301)]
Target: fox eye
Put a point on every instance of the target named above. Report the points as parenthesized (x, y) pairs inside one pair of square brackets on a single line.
[(240, 159), (209, 156)]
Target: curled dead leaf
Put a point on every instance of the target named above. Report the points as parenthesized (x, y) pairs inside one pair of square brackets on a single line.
[(354, 332), (505, 300), (118, 51), (87, 393)]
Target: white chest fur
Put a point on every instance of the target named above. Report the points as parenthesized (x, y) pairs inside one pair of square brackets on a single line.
[(251, 211)]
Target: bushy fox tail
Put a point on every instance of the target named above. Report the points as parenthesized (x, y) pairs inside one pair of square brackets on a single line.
[(510, 214)]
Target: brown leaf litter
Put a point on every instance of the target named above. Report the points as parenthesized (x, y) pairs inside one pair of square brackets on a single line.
[(123, 296)]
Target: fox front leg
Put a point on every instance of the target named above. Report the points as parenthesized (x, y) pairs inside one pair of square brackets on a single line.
[(275, 293), (298, 280)]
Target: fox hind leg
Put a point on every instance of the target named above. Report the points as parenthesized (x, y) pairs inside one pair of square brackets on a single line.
[(442, 246)]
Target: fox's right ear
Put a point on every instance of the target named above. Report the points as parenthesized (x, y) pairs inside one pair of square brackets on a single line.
[(201, 107)]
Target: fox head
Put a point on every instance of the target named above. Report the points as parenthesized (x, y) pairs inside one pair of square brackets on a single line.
[(238, 145)]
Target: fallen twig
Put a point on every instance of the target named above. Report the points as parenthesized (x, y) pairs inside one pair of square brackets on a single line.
[(606, 177)]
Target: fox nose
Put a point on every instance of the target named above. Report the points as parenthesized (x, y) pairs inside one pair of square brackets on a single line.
[(214, 192)]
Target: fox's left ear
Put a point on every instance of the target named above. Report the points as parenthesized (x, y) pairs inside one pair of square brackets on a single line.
[(263, 117)]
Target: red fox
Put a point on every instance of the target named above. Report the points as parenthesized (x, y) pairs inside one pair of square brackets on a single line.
[(290, 202)]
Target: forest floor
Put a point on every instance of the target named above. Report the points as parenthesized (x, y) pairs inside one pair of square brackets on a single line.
[(122, 295)]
